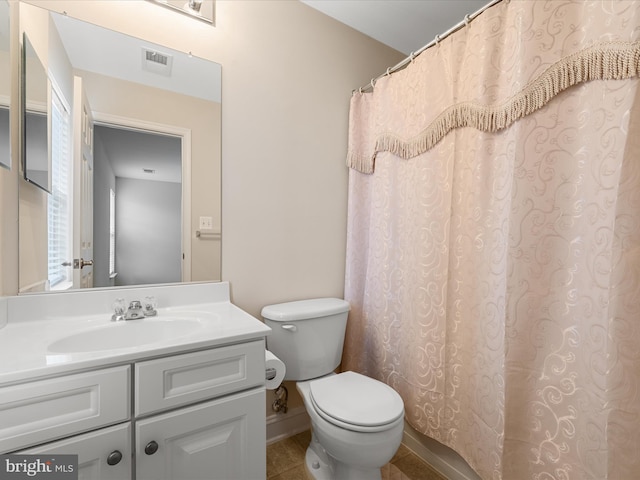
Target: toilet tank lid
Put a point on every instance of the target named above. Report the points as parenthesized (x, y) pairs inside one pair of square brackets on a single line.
[(304, 309)]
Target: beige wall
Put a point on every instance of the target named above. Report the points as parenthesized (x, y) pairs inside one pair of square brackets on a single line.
[(9, 192), (286, 89)]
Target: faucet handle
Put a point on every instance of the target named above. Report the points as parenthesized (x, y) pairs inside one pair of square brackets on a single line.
[(150, 305), (119, 305), (118, 309)]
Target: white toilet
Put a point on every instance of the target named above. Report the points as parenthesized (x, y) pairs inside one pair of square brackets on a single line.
[(357, 422)]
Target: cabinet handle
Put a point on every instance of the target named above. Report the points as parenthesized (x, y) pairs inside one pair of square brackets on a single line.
[(114, 457), (151, 448)]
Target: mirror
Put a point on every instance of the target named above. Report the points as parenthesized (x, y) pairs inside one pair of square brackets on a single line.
[(117, 90), (36, 162), (5, 86)]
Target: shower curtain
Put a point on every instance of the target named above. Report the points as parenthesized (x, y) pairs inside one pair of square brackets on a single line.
[(493, 252)]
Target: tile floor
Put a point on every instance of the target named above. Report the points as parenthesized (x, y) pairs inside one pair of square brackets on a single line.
[(285, 461)]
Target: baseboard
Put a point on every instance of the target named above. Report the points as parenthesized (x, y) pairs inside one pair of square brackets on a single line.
[(284, 425), (447, 462)]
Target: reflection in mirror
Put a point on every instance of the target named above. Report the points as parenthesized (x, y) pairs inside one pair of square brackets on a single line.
[(36, 161), (124, 96), (143, 217), (5, 86)]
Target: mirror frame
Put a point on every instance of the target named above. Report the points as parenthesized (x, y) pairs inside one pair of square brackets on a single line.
[(5, 102), (27, 117)]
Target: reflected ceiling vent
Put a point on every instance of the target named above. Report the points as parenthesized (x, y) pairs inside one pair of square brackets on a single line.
[(156, 62)]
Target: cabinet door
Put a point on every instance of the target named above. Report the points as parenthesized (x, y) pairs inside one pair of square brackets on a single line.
[(93, 450), (224, 439)]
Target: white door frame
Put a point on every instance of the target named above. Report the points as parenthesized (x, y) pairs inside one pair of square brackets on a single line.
[(185, 133)]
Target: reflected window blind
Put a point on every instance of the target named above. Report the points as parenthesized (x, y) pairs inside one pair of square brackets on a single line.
[(59, 207)]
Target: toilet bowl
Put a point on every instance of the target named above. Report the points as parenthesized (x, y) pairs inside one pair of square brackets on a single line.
[(357, 422)]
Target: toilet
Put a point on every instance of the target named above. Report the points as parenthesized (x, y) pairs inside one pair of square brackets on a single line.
[(357, 422)]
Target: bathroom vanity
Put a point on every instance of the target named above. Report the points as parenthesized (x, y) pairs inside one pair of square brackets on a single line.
[(188, 402)]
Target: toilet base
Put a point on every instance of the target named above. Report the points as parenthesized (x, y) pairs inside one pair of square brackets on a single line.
[(315, 468), (318, 469)]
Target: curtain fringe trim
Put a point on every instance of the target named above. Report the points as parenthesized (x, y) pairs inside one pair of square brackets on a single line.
[(361, 163), (605, 61)]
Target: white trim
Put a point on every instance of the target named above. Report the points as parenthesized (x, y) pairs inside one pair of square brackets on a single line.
[(444, 460), (285, 425), (185, 134), (55, 86)]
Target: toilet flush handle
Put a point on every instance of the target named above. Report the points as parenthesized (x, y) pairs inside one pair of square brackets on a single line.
[(289, 327)]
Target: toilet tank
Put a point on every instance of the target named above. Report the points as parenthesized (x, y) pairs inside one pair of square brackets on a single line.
[(307, 335)]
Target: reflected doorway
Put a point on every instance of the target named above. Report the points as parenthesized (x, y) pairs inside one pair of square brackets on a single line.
[(138, 206)]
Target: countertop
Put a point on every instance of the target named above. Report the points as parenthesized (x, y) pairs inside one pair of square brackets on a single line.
[(25, 352)]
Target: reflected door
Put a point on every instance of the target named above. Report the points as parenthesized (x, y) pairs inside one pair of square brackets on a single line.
[(82, 188)]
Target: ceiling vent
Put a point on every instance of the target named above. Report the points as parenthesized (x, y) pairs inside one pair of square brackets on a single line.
[(156, 62)]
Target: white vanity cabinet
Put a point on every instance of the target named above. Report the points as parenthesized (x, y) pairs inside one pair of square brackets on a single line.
[(222, 438), (196, 415)]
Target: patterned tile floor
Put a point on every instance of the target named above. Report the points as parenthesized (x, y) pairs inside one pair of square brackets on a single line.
[(285, 461)]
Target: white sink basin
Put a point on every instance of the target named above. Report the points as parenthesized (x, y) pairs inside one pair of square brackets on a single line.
[(125, 334)]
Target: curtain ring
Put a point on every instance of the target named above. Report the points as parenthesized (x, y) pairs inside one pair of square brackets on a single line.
[(373, 83), (388, 71), (466, 20), (437, 39), (412, 56), (360, 90)]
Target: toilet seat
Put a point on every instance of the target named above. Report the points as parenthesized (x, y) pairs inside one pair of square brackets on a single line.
[(356, 402)]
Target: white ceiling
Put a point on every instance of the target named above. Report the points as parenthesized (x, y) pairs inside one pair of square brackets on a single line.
[(406, 25)]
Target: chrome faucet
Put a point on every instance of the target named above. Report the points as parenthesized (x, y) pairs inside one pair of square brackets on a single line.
[(135, 310)]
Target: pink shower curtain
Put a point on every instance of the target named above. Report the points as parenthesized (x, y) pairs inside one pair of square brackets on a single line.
[(493, 256)]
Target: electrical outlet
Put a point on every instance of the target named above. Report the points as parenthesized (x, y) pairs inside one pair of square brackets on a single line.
[(206, 223)]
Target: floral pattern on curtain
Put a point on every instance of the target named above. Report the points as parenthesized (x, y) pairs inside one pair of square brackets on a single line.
[(494, 270)]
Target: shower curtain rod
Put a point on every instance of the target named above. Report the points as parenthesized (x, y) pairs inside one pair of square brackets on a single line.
[(442, 36)]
